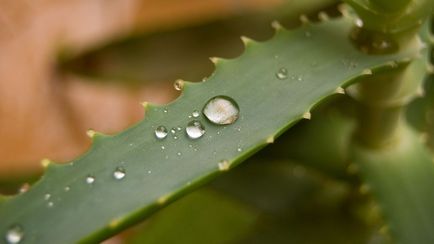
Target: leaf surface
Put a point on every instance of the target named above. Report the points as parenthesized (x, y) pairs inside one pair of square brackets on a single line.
[(318, 59)]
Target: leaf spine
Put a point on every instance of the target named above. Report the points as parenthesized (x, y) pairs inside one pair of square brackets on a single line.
[(340, 90), (307, 115)]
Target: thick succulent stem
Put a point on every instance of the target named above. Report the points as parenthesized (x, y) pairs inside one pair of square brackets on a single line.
[(382, 97)]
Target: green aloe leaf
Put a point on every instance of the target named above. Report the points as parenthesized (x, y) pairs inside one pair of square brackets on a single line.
[(63, 207), (401, 178)]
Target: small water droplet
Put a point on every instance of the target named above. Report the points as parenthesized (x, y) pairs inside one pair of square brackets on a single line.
[(195, 114), (90, 179), (195, 129), (166, 157), (179, 153), (165, 110), (221, 110), (239, 149), (14, 234), (163, 147), (161, 132), (149, 171), (173, 130), (299, 78), (175, 137), (67, 188), (119, 173), (179, 128), (50, 204), (47, 196), (282, 74)]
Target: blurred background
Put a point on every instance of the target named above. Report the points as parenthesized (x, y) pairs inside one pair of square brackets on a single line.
[(68, 66)]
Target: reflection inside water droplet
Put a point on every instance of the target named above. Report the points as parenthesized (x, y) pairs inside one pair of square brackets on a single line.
[(221, 110), (195, 129), (282, 74), (195, 114), (161, 132), (90, 179), (14, 234), (119, 173)]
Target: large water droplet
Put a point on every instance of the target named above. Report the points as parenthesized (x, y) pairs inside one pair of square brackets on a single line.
[(195, 129), (119, 173), (14, 234), (221, 110), (90, 179), (282, 74), (161, 132)]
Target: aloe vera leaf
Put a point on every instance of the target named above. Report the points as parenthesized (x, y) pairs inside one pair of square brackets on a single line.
[(320, 55), (401, 178)]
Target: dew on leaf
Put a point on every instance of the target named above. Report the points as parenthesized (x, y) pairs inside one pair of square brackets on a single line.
[(161, 132), (282, 74), (195, 114), (195, 129), (119, 173), (221, 110), (14, 234), (90, 179)]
